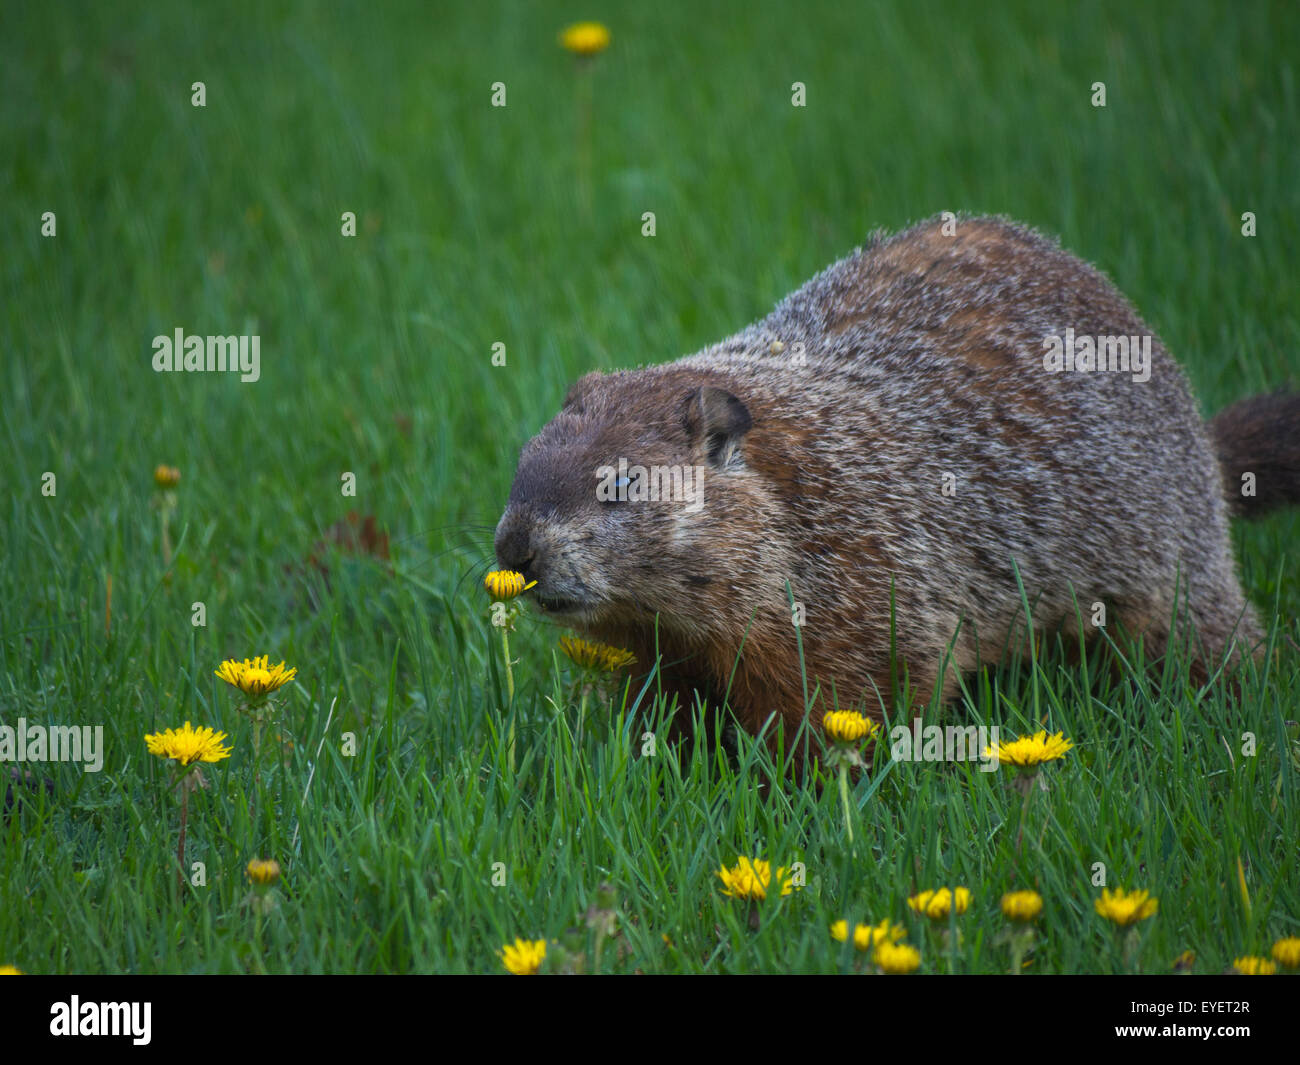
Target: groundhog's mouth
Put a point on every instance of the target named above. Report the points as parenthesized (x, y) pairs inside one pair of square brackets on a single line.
[(557, 606)]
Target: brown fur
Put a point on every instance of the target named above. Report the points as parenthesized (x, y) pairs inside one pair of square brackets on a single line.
[(825, 432)]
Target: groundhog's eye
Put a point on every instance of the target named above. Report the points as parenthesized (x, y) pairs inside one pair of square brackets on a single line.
[(619, 494)]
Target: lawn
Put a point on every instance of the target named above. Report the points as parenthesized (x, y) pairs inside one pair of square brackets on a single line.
[(420, 817)]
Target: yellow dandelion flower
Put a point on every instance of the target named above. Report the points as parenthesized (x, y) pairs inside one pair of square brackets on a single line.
[(865, 935), (938, 904), (166, 476), (1286, 952), (255, 677), (749, 879), (1126, 908), (1028, 752), (10, 970), (1184, 962), (263, 871), (591, 655), (1022, 905), (506, 584), (848, 727), (1252, 965), (188, 745), (897, 958), (585, 38), (523, 957)]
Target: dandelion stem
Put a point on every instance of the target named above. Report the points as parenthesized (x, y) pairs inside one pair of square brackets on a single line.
[(163, 513), (844, 799), (180, 847), (510, 676), (1130, 948), (259, 950), (1020, 940), (510, 696), (1028, 783)]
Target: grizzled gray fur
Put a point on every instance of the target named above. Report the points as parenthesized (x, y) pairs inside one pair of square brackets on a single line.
[(898, 419)]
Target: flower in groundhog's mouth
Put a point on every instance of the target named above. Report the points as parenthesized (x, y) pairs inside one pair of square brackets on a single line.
[(848, 727), (585, 38), (255, 677), (1126, 908), (188, 745), (1022, 905), (938, 904), (523, 957), (590, 655), (749, 879), (1027, 752), (506, 584), (865, 935)]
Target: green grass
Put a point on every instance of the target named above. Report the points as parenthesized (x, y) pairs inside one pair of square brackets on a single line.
[(376, 359)]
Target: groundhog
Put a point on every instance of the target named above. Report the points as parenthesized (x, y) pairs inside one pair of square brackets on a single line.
[(935, 430)]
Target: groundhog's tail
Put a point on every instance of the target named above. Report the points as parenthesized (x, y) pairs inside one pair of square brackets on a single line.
[(1259, 436)]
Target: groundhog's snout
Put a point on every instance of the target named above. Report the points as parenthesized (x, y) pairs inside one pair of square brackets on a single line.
[(514, 543), (529, 540)]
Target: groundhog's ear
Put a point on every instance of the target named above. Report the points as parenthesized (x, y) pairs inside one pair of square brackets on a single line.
[(581, 389), (716, 420)]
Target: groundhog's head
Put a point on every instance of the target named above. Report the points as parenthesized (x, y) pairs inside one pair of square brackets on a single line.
[(630, 502)]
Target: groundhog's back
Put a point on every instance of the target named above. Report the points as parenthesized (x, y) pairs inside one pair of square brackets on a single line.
[(906, 426)]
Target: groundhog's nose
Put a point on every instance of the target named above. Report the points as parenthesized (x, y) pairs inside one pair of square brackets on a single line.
[(514, 545)]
